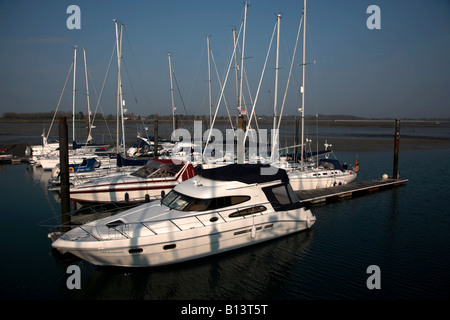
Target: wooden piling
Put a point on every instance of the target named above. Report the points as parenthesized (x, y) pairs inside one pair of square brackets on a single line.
[(64, 172), (395, 174)]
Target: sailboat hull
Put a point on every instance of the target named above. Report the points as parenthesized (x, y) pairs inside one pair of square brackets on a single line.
[(122, 192), (301, 180)]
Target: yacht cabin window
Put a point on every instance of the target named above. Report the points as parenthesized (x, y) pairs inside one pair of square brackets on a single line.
[(247, 211), (182, 202), (282, 197)]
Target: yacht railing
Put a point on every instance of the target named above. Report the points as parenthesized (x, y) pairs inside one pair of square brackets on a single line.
[(126, 230), (84, 215)]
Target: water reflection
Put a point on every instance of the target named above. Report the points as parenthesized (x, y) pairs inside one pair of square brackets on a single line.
[(254, 272)]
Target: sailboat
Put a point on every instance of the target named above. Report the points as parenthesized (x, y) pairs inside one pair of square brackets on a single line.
[(316, 173), (47, 156)]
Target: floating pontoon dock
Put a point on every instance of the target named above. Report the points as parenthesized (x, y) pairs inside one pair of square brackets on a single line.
[(347, 190)]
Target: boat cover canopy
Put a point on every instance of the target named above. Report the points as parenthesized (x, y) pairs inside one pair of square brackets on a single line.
[(332, 164), (246, 173)]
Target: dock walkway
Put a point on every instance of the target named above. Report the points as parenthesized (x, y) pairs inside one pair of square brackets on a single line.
[(347, 190)]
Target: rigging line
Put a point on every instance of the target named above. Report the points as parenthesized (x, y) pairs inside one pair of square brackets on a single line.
[(194, 80), (260, 80), (59, 101), (289, 77), (95, 113), (101, 91), (179, 92), (249, 119), (220, 83), (181, 97), (129, 79), (138, 72), (221, 94)]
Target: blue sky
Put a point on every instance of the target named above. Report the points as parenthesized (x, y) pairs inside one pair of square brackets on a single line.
[(401, 70)]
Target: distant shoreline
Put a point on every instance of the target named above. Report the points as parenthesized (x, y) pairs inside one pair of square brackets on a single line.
[(263, 120), (356, 135)]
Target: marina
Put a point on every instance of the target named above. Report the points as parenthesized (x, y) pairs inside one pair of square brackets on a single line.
[(256, 202), (394, 228)]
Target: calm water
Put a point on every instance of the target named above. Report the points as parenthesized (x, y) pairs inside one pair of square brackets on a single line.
[(404, 231)]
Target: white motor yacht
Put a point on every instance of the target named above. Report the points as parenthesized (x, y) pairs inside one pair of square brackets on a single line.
[(220, 209)]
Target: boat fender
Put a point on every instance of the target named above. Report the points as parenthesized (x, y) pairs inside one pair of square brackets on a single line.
[(147, 198), (308, 223), (127, 197)]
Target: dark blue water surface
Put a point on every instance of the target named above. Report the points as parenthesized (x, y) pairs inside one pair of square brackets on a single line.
[(404, 231)]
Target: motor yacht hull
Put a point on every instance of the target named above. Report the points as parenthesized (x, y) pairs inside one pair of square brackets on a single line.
[(158, 243)]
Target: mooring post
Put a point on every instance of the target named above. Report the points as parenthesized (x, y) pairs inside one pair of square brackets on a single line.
[(64, 173), (155, 142), (396, 148)]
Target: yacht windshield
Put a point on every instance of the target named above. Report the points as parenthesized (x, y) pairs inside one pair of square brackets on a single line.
[(157, 170), (182, 202)]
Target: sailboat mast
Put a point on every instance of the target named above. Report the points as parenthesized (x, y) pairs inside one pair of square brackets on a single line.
[(240, 124), (242, 60), (171, 92), (73, 93), (87, 95), (122, 101), (276, 84), (209, 79), (236, 68), (119, 84), (303, 85)]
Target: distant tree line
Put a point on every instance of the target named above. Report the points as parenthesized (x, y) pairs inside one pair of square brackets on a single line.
[(81, 116), (49, 115), (99, 116)]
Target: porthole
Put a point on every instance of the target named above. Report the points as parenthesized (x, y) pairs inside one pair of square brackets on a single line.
[(169, 246), (213, 219), (135, 250)]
